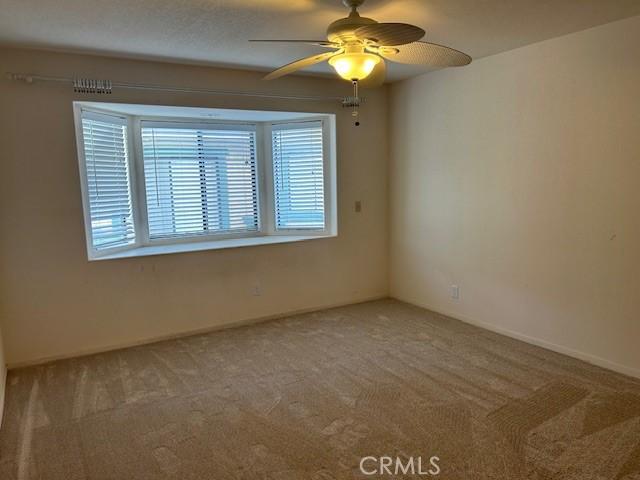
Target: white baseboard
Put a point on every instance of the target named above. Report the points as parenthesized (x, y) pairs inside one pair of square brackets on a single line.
[(589, 358), (3, 393), (586, 357), (188, 333)]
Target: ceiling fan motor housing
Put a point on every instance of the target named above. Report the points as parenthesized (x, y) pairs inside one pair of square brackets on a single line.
[(341, 31)]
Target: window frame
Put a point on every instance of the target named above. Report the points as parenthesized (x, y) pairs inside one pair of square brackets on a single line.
[(141, 187), (326, 172), (84, 182), (266, 233)]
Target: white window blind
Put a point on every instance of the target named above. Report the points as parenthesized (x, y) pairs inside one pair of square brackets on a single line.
[(107, 181), (199, 181), (298, 176)]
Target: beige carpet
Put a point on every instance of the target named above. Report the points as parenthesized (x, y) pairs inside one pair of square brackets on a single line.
[(306, 397)]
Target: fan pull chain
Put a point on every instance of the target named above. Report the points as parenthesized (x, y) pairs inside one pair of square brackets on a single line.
[(353, 102)]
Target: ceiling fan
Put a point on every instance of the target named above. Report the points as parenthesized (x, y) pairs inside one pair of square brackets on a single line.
[(360, 46)]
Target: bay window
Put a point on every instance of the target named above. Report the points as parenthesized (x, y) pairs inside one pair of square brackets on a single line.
[(158, 180)]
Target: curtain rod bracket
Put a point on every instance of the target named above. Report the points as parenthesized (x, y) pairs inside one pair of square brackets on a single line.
[(19, 77)]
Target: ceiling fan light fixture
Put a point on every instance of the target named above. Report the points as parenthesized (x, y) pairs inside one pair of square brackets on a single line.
[(354, 66)]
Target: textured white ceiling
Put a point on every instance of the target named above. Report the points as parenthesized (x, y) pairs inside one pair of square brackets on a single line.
[(216, 31)]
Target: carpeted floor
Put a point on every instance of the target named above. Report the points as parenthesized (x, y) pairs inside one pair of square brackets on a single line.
[(306, 397)]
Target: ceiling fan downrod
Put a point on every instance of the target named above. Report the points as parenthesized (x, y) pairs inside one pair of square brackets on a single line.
[(352, 4)]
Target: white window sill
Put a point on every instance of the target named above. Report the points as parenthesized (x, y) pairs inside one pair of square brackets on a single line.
[(209, 245)]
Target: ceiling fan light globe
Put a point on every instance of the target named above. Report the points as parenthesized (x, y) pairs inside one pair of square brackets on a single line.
[(354, 66)]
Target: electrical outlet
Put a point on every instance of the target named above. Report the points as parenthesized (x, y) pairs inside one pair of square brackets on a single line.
[(455, 292), (358, 206), (256, 290)]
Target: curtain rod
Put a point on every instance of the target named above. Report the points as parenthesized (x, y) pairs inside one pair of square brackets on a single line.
[(89, 85)]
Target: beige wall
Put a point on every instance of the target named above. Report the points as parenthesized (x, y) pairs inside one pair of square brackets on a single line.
[(53, 302), (517, 178)]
